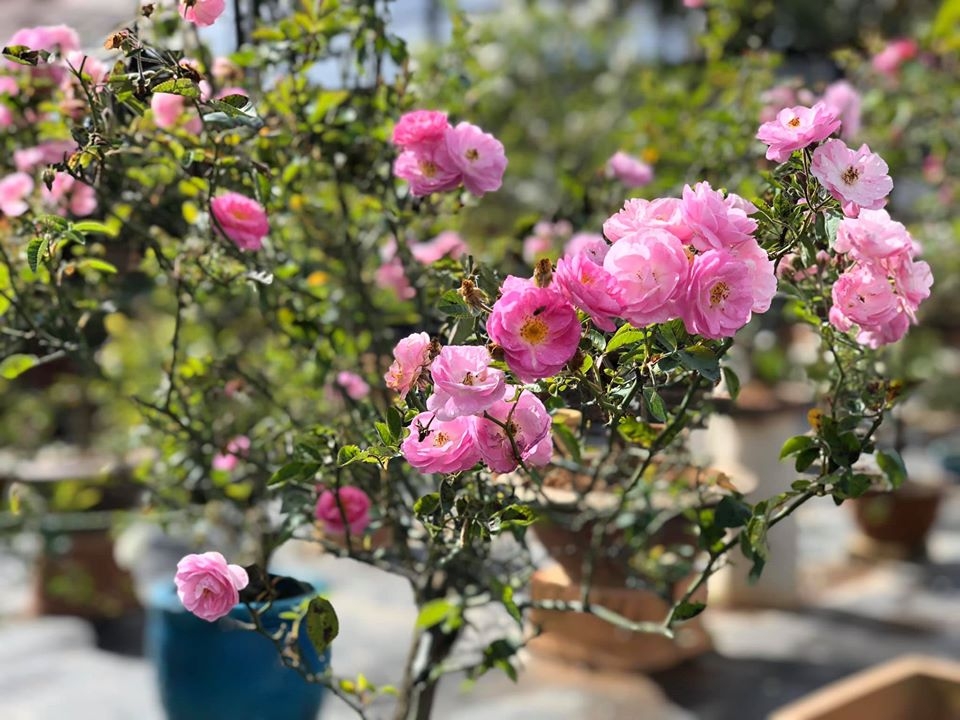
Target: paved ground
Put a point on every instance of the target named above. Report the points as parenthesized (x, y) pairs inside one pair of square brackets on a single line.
[(50, 669)]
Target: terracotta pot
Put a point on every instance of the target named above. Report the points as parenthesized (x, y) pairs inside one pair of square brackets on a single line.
[(899, 520), (585, 639), (77, 575), (910, 687)]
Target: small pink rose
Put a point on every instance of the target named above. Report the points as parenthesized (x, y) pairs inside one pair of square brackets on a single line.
[(343, 509), (209, 587), (202, 12), (237, 448), (241, 219)]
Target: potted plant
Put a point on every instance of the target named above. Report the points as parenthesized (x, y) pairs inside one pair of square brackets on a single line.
[(291, 237)]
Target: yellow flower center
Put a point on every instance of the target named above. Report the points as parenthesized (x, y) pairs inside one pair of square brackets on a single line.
[(719, 293), (534, 330), (794, 122), (468, 379), (428, 168), (472, 154), (850, 175), (441, 438)]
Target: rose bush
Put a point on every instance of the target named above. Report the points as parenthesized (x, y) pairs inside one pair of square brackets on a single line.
[(291, 287)]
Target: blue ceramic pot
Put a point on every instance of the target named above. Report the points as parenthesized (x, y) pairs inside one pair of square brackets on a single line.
[(218, 671)]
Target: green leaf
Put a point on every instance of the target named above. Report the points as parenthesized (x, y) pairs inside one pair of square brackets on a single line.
[(517, 516), (654, 404), (451, 303), (806, 458), (427, 504), (626, 335), (567, 439), (293, 471), (732, 513), (323, 626), (37, 251), (23, 55), (687, 610), (892, 465), (435, 612), (946, 25), (179, 86), (702, 360), (347, 454), (795, 445), (732, 382), (96, 264), (92, 226), (6, 289), (14, 365), (395, 423)]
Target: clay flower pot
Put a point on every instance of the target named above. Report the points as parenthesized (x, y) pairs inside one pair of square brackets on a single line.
[(896, 524)]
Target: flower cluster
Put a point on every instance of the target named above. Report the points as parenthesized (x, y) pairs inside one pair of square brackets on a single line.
[(693, 258), (883, 284), (473, 414), (438, 157)]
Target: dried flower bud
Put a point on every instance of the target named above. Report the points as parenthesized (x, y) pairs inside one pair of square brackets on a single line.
[(147, 10)]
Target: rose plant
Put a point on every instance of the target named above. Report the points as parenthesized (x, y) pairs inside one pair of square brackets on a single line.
[(337, 355)]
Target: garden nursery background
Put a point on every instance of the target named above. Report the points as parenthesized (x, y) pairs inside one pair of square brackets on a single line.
[(561, 359)]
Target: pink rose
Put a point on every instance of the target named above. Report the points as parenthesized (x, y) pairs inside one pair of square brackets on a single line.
[(70, 196), (588, 286), (797, 127), (446, 244), (392, 276), (592, 244), (411, 358), (544, 240), (863, 296), (46, 153), (6, 116), (912, 280), (651, 268), (523, 424), (873, 235), (169, 108), (440, 446), (353, 385), (858, 179), (845, 101), (225, 69), (47, 37), (237, 448), (716, 222), (638, 214), (242, 219), (478, 156), (630, 171), (209, 587), (760, 278), (13, 192), (897, 52), (537, 328), (464, 383), (419, 129), (344, 509), (202, 12), (428, 170), (719, 298), (775, 99)]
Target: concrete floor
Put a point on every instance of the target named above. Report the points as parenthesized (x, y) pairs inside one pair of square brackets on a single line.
[(50, 668)]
